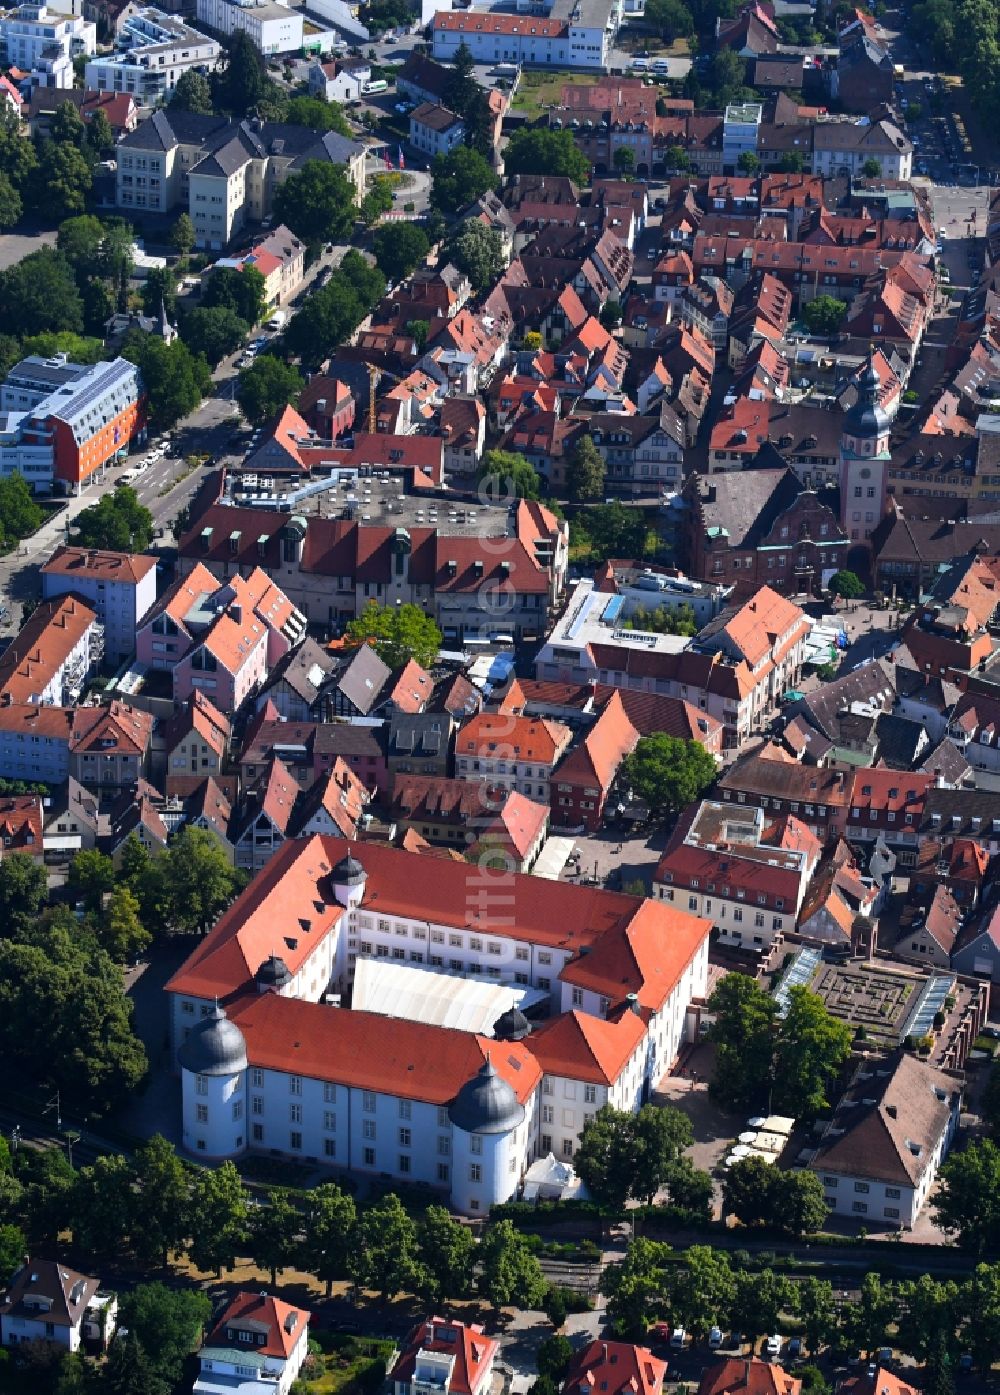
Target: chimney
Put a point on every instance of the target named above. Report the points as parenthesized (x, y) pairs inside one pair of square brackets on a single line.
[(633, 1001), (236, 611), (890, 1109)]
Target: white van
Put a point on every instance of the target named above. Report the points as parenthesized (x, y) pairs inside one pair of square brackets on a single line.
[(277, 320), (639, 65)]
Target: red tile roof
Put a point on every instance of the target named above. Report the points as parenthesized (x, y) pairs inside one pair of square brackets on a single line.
[(581, 1046), (123, 567), (413, 1059), (474, 1353), (284, 1323), (617, 1368), (48, 637), (597, 758), (646, 956), (752, 1377), (500, 736), (115, 729), (21, 823)]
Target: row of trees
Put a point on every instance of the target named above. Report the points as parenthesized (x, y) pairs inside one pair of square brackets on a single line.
[(154, 1205), (703, 1287), (52, 174)]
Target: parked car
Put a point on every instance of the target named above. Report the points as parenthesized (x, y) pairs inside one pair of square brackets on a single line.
[(715, 1338), (795, 1348), (678, 1339), (884, 1356), (772, 1348)]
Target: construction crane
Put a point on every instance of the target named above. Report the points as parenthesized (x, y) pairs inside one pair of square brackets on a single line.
[(373, 377)]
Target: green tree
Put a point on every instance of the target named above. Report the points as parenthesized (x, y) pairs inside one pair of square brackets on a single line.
[(331, 314), (77, 347), (747, 1191), (384, 1251), (624, 161), (748, 163), (182, 234), (23, 889), (478, 251), (758, 1298), (329, 1225), (676, 158), (120, 930), (244, 84), (459, 178), (91, 876), (67, 126), (872, 168), (117, 522), (266, 387), (418, 330), (12, 1248), (446, 1250), (39, 293), (701, 1289), (824, 314), (505, 474), (977, 1309), (242, 292), (20, 515), (130, 1372), (65, 179), (545, 150), (671, 18), (927, 1308), (810, 1047), (743, 1034), (161, 1199), (214, 332), (218, 1218), (272, 1233), (585, 473), (79, 240), (611, 314), (635, 1286), (100, 1205), (847, 585), (815, 1306), (803, 1204), (193, 92), (939, 1374), (668, 773), (609, 530), (168, 1323), (461, 90), (100, 136), (398, 248), (556, 1306), (174, 377), (319, 115), (45, 1179), (509, 1272), (554, 1357), (377, 201), (318, 203), (397, 634), (968, 1198), (604, 1158), (198, 881), (11, 205), (160, 289), (868, 1320), (790, 163)]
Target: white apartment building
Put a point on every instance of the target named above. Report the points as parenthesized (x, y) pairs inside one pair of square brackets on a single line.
[(882, 1149), (34, 742), (258, 1340), (120, 587), (272, 27), (435, 130), (53, 655), (44, 43), (512, 753), (731, 867), (155, 49), (293, 1074)]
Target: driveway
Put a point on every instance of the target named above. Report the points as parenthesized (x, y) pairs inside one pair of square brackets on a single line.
[(14, 247)]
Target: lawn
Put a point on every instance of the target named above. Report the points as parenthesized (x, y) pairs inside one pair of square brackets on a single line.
[(536, 91)]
